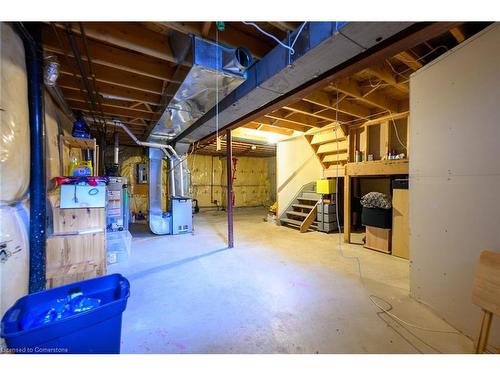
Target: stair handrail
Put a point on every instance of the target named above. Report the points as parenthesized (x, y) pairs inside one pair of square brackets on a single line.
[(302, 188)]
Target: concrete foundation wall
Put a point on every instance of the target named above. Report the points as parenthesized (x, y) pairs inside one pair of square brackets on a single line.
[(455, 177), (296, 165)]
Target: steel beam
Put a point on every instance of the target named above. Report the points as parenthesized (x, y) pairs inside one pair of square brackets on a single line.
[(229, 154)]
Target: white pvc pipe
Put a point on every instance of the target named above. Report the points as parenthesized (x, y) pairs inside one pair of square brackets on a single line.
[(164, 148)]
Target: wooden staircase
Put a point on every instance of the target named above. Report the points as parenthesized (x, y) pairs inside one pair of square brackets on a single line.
[(331, 148), (301, 214)]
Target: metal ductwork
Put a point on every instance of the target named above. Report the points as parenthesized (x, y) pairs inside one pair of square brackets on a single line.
[(116, 153), (320, 49), (215, 72)]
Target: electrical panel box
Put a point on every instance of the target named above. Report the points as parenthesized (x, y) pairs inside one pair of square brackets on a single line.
[(141, 172), (82, 196)]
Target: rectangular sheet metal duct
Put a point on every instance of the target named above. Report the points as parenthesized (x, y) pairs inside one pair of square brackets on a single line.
[(215, 72), (320, 47)]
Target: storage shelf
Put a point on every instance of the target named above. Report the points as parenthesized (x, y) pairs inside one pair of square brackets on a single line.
[(83, 143), (377, 168)]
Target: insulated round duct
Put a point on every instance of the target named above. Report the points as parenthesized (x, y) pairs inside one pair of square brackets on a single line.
[(237, 60)]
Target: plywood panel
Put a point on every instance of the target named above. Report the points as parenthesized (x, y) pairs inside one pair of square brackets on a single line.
[(75, 257), (400, 228), (378, 239), (66, 220), (454, 205)]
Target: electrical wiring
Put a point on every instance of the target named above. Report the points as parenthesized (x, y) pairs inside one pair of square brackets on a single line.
[(386, 311), (396, 132), (395, 71), (337, 189), (422, 57), (371, 297), (290, 47)]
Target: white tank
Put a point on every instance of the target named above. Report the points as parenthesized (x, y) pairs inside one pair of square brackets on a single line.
[(14, 254), (14, 120)]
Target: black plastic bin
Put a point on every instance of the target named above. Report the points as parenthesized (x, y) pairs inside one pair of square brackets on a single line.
[(377, 217)]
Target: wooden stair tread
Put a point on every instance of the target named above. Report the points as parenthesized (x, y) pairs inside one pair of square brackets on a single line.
[(306, 206), (297, 213), (307, 199), (291, 221)]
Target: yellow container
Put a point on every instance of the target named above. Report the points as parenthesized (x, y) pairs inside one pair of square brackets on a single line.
[(325, 186)]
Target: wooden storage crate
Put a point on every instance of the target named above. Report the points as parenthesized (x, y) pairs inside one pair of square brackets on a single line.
[(73, 273), (71, 220), (378, 239), (75, 257)]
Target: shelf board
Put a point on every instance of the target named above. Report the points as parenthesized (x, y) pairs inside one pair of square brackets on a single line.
[(377, 168), (83, 143)]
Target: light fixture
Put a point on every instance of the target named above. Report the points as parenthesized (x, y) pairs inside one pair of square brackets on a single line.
[(254, 147)]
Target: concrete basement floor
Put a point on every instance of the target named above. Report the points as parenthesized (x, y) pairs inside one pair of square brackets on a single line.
[(277, 291)]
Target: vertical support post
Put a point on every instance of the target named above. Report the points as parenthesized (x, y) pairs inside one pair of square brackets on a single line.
[(484, 333), (347, 208), (31, 36), (229, 155)]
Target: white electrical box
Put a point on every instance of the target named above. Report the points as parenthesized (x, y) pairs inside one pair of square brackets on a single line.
[(82, 196)]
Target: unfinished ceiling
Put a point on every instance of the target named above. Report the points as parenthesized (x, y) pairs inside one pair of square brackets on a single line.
[(130, 65), (131, 70), (379, 90)]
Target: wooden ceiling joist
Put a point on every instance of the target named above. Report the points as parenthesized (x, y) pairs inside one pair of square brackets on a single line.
[(407, 58), (282, 124), (351, 87), (297, 118), (458, 34), (205, 29), (114, 111), (116, 77), (268, 128), (328, 115), (109, 90), (384, 73), (323, 99), (109, 56), (127, 35), (284, 26), (231, 36), (75, 97)]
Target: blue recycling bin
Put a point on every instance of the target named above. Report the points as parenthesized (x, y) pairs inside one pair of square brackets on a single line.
[(94, 331)]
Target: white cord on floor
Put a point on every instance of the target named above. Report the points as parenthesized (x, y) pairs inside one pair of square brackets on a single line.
[(386, 311), (371, 296)]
